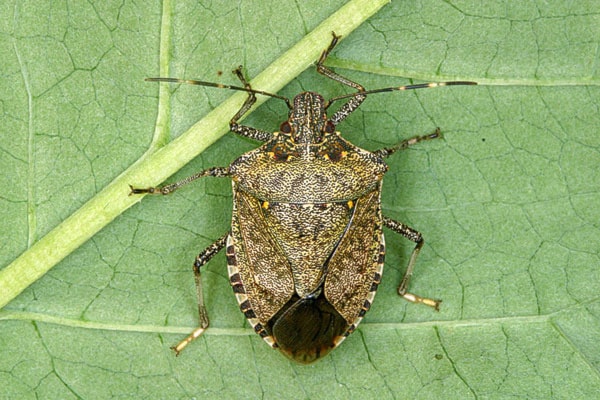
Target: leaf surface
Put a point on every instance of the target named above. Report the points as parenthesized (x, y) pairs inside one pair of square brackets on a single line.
[(507, 202)]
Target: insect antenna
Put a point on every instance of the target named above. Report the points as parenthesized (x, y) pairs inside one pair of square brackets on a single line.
[(405, 87), (221, 86)]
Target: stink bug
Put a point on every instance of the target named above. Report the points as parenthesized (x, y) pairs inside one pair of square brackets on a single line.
[(306, 249)]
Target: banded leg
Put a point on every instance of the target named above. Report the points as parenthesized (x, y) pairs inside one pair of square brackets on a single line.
[(205, 256), (218, 172), (416, 237), (243, 130), (387, 151)]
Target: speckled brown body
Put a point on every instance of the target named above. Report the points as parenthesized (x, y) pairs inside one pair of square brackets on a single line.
[(306, 245)]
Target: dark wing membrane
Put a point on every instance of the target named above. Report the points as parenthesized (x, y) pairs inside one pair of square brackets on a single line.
[(356, 259), (263, 268), (308, 328)]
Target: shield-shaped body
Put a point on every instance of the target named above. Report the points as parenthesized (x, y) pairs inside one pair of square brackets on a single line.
[(306, 247)]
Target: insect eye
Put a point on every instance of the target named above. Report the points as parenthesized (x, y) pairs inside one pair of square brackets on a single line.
[(285, 127), (329, 127)]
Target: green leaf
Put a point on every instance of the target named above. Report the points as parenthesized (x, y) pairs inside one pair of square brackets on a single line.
[(507, 202)]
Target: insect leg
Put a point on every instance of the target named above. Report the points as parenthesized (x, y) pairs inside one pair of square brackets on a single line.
[(323, 70), (242, 130), (416, 237), (387, 151), (205, 256), (218, 172), (356, 100)]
